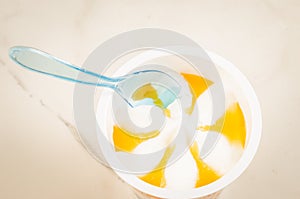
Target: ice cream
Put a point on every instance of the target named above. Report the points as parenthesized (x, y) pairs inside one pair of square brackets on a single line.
[(190, 171)]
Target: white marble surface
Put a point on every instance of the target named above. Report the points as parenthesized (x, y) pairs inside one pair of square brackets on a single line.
[(39, 158)]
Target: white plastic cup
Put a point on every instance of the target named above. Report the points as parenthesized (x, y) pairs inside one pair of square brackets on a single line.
[(252, 113)]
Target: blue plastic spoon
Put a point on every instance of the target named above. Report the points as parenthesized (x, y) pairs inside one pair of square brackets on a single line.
[(44, 63)]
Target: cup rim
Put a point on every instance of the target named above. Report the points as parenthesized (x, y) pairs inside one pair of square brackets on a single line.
[(240, 166)]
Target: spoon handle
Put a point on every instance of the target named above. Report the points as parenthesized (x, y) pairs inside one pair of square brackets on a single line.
[(39, 61)]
